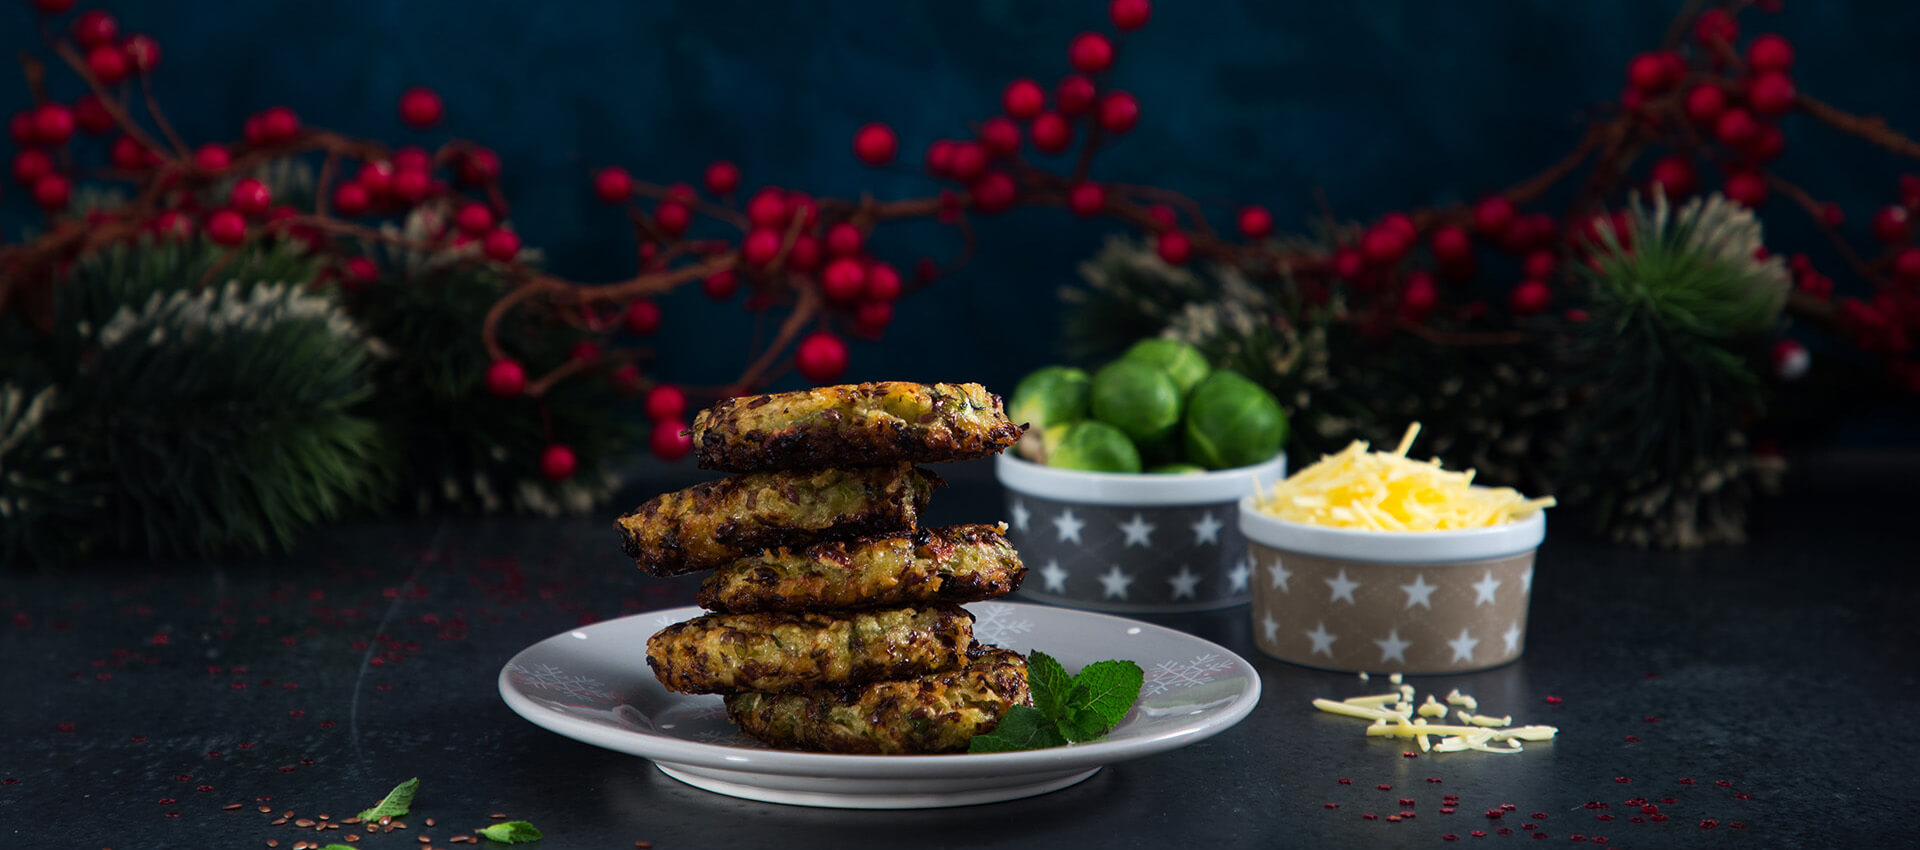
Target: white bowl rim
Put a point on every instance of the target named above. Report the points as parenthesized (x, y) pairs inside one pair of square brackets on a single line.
[(1393, 547), (1142, 489)]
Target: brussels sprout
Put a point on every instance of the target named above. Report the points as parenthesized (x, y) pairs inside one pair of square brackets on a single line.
[(1177, 469), (1182, 362), (1232, 421), (1139, 399), (1050, 396), (1095, 447)]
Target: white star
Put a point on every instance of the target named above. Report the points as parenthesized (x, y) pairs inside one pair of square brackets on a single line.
[(1020, 514), (1393, 648), (1269, 625), (1322, 640), (1185, 583), (1512, 638), (1207, 530), (1526, 580), (1280, 575), (1056, 576), (1237, 577), (1113, 583), (1342, 587), (1069, 526), (1419, 592), (1139, 532), (1484, 588), (1463, 646)]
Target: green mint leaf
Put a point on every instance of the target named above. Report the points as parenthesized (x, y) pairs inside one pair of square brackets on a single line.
[(1112, 687), (1078, 722), (397, 802), (511, 832), (1049, 683), (339, 847), (1021, 728)]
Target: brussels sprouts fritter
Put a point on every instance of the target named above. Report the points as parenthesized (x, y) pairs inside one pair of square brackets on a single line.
[(938, 713), (960, 563), (851, 425), (779, 651)]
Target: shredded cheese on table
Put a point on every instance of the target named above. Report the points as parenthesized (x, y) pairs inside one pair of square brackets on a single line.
[(1380, 491), (1392, 716)]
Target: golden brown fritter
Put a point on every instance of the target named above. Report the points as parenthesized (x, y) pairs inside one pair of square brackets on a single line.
[(777, 651), (939, 713), (959, 563), (850, 425), (710, 524)]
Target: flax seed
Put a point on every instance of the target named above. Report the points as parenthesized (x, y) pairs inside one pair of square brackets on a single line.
[(325, 817), (429, 821), (351, 820), (279, 821), (352, 838), (303, 823), (231, 807), (425, 840), (273, 842), (266, 810), (643, 845), (498, 815), (386, 819)]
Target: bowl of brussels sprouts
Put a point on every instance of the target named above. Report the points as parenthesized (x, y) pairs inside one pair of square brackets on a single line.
[(1123, 493)]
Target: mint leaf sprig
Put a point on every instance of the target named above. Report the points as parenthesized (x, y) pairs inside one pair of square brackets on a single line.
[(511, 832), (396, 804), (1083, 707)]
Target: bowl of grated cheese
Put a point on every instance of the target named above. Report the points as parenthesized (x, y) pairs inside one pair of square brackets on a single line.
[(1373, 561)]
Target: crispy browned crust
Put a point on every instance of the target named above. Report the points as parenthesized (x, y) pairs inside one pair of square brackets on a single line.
[(774, 652), (852, 424), (958, 563), (714, 523), (939, 713)]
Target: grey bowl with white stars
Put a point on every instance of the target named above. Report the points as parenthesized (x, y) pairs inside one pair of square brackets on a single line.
[(1131, 543)]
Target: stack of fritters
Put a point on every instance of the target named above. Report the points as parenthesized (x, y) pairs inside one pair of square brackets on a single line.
[(836, 621)]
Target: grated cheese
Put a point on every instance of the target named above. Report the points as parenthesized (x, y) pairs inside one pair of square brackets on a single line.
[(1392, 716), (1358, 488), (1432, 708)]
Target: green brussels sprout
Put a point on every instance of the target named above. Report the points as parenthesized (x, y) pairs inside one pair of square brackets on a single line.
[(1050, 396), (1095, 447), (1139, 399), (1232, 421), (1177, 469), (1182, 362)]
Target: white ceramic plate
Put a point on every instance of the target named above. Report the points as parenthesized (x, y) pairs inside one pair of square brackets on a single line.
[(592, 684)]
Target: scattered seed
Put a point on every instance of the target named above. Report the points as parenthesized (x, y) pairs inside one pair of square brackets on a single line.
[(1406, 814), (429, 820), (352, 838), (1553, 700), (1478, 833), (1529, 826), (1723, 783), (1494, 814), (1636, 819), (1369, 816), (1504, 831), (303, 823), (1508, 807), (1393, 818), (1737, 825), (648, 845), (1449, 837), (1434, 779), (1538, 815), (1622, 779), (324, 817), (1576, 837), (498, 816), (1742, 795), (1633, 739), (1331, 805), (350, 820), (1409, 754), (273, 842), (266, 810), (279, 821), (1656, 818), (1603, 817), (1406, 801), (1709, 823), (1344, 781), (425, 840), (1668, 800), (1446, 810), (1384, 787), (231, 807), (386, 819)]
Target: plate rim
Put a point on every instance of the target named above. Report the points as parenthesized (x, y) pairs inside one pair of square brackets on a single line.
[(658, 748)]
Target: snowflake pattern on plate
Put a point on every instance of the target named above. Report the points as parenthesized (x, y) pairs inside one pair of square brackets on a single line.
[(547, 677), (995, 623), (1179, 675)]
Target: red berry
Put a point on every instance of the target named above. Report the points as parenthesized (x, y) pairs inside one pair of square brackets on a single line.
[(1384, 245), (91, 115), (129, 155), (171, 223), (1539, 265), (722, 177), (1086, 199), (1675, 175), (1766, 145), (506, 378), (672, 217), (1347, 263), (376, 176), (1000, 136), (1163, 215), (1891, 225), (52, 7), (1023, 99), (1255, 222), (1746, 188), (585, 351), (940, 158), (1051, 132), (873, 317), (720, 285), (212, 157), (1451, 245), (361, 271), (226, 227), (479, 167), (666, 403), (668, 440), (94, 28), (761, 246), (1090, 52), (501, 245), (768, 209), (1401, 223), (625, 379), (821, 357), (1074, 94), (1492, 215), (844, 280), (1769, 52), (411, 187), (1715, 25), (52, 192), (800, 205), (20, 128), (1531, 297), (613, 185), (351, 199), (844, 240), (278, 124), (1735, 127), (1420, 295), (1650, 72), (143, 51), (1771, 93), (1174, 247), (53, 123), (250, 197), (875, 144), (1906, 264), (969, 161), (474, 217), (883, 282), (994, 193), (558, 462), (1705, 102), (643, 317), (805, 254), (1129, 15), (1119, 112), (30, 165)]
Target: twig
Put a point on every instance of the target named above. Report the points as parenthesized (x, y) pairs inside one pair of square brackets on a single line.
[(160, 118)]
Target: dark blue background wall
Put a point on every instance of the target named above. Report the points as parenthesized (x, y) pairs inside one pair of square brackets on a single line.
[(1380, 104)]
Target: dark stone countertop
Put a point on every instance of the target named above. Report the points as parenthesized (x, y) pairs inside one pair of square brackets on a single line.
[(1777, 676)]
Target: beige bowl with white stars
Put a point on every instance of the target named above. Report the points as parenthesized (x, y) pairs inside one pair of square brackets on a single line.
[(1387, 602)]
